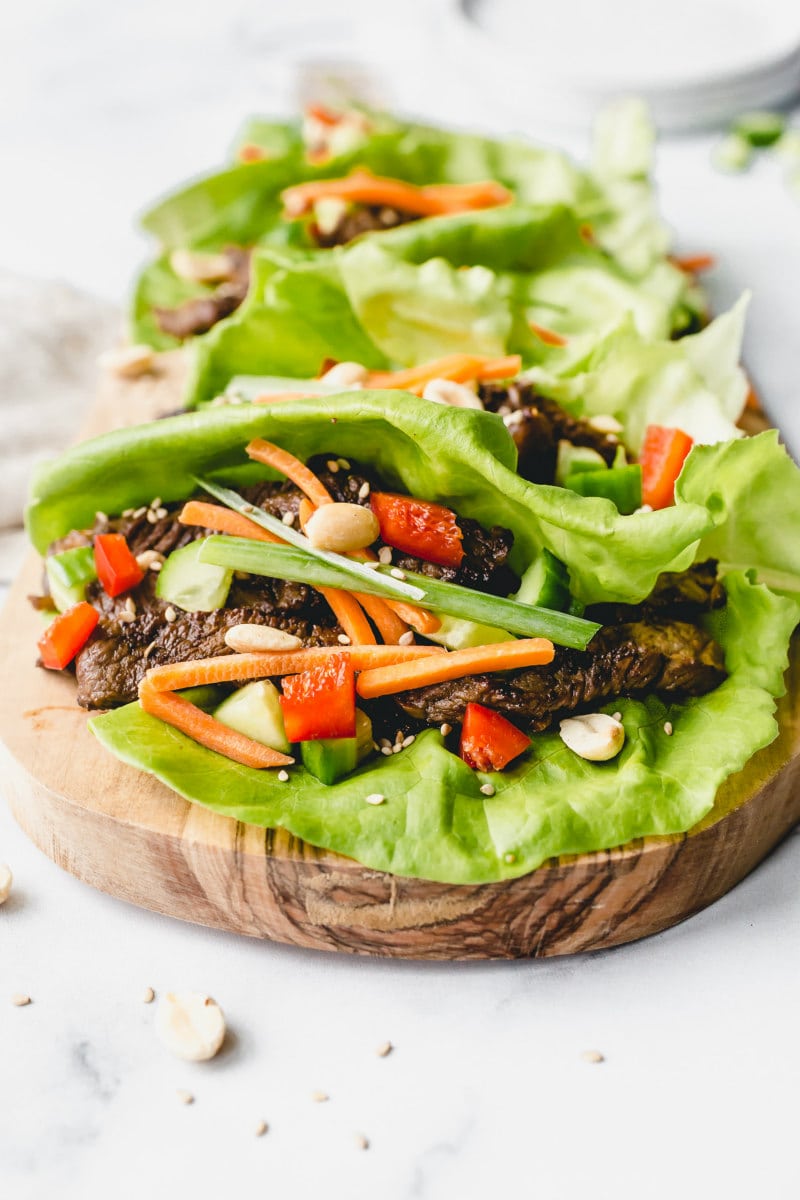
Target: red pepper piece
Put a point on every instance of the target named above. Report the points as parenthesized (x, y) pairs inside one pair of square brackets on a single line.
[(321, 703), (428, 531), (488, 741), (117, 569), (66, 635), (662, 457)]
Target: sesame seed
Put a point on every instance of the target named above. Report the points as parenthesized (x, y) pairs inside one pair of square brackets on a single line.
[(363, 491), (332, 466), (384, 1049), (248, 508), (488, 789), (386, 750), (509, 857), (445, 729), (385, 742), (592, 1056), (288, 518), (161, 512), (155, 502), (344, 464), (283, 776), (617, 716), (148, 996), (20, 1000), (319, 1097), (398, 737), (396, 573), (385, 555), (375, 798), (407, 638), (373, 566), (343, 639), (170, 615), (668, 728), (138, 513), (398, 746), (261, 1128), (127, 512), (130, 606), (409, 741), (375, 746), (362, 1142), (101, 517), (151, 517), (125, 617), (148, 650), (184, 1096), (156, 566)]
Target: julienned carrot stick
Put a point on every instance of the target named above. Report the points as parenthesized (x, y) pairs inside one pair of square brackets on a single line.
[(236, 668), (223, 520), (349, 614), (279, 397), (423, 621), (693, 264), (300, 475), (390, 626), (206, 730), (548, 336), (362, 187), (458, 367), (502, 656)]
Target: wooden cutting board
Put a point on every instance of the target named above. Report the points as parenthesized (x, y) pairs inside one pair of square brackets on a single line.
[(129, 835)]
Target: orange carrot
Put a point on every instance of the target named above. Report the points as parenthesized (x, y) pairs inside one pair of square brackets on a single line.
[(693, 264), (501, 656), (362, 187), (232, 668), (458, 367), (548, 336), (207, 730), (349, 614), (280, 397), (423, 621), (281, 460), (224, 520), (753, 401), (251, 153)]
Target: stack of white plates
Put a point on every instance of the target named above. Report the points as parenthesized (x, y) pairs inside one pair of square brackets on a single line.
[(697, 62)]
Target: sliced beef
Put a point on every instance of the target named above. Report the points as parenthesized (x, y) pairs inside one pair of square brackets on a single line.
[(537, 425), (361, 218), (681, 594), (667, 658), (201, 313)]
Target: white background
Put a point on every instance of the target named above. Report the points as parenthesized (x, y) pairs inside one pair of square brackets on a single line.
[(486, 1094)]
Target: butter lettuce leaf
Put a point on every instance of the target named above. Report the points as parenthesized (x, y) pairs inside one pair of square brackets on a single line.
[(436, 824)]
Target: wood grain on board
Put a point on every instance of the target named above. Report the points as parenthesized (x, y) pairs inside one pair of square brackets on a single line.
[(129, 835)]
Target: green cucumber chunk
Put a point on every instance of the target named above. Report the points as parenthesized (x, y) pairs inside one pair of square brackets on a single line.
[(330, 758), (364, 746), (193, 585), (68, 573), (255, 711), (572, 459), (458, 634), (623, 486), (760, 128), (546, 583)]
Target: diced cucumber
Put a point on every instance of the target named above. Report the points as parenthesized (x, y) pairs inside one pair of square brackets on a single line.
[(622, 485), (546, 583), (572, 459), (364, 745), (193, 585), (760, 128), (68, 573), (255, 711), (330, 758), (458, 634), (734, 153)]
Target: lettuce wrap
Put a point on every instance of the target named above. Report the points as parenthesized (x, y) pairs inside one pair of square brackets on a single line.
[(436, 823), (241, 204)]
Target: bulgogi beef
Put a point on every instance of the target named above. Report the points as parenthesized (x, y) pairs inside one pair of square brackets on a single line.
[(537, 425), (358, 219), (201, 313)]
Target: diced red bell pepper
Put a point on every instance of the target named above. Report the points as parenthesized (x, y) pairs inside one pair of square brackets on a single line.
[(488, 741), (117, 569), (66, 635), (428, 531), (321, 703), (661, 458)]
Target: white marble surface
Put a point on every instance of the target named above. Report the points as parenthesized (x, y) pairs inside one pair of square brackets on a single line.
[(486, 1093)]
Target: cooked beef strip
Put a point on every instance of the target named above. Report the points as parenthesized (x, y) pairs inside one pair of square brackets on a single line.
[(361, 218), (667, 658), (537, 425), (199, 314), (681, 594)]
